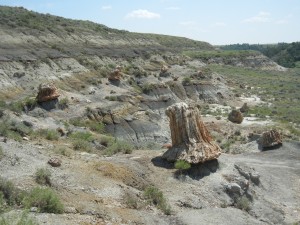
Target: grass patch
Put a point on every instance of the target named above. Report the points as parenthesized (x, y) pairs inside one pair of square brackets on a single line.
[(51, 135), (13, 129), (81, 141), (95, 126), (156, 197), (24, 219), (44, 199), (280, 89)]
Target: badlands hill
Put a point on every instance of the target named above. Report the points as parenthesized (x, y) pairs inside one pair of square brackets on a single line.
[(93, 143)]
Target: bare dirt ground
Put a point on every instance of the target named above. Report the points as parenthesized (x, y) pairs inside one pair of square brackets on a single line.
[(197, 197)]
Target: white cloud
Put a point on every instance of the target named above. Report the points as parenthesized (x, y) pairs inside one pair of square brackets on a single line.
[(261, 17), (173, 8), (106, 7), (142, 14)]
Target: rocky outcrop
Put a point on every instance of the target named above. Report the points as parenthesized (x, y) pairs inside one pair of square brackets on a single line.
[(47, 92), (191, 140), (235, 116), (271, 139)]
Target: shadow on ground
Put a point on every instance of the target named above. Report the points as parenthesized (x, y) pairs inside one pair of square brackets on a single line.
[(196, 172)]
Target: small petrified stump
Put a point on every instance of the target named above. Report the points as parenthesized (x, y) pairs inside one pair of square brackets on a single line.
[(235, 116), (191, 140), (271, 139), (115, 75), (244, 108), (47, 92), (54, 162)]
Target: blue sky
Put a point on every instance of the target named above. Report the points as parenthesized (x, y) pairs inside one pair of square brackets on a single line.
[(214, 21)]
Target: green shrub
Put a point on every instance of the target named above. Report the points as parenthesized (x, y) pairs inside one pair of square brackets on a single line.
[(131, 200), (2, 203), (85, 136), (95, 126), (156, 197), (111, 98), (9, 191), (44, 199), (186, 81), (10, 194), (30, 103), (63, 151), (42, 176), (243, 203), (50, 135), (1, 152), (119, 146), (107, 140), (63, 103), (147, 88), (182, 165), (82, 145)]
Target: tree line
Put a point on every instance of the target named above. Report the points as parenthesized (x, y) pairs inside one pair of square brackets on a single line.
[(285, 54)]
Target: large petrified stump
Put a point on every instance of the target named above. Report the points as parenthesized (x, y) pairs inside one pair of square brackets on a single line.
[(191, 140)]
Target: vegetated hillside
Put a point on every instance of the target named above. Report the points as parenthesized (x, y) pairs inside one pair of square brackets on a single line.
[(285, 54), (29, 35)]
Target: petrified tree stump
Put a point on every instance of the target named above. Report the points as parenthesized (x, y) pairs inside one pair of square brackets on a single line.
[(271, 139), (236, 116), (191, 140), (47, 92)]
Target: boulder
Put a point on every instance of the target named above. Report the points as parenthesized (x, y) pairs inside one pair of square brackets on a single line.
[(234, 188), (47, 92), (235, 116), (271, 139), (191, 140)]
